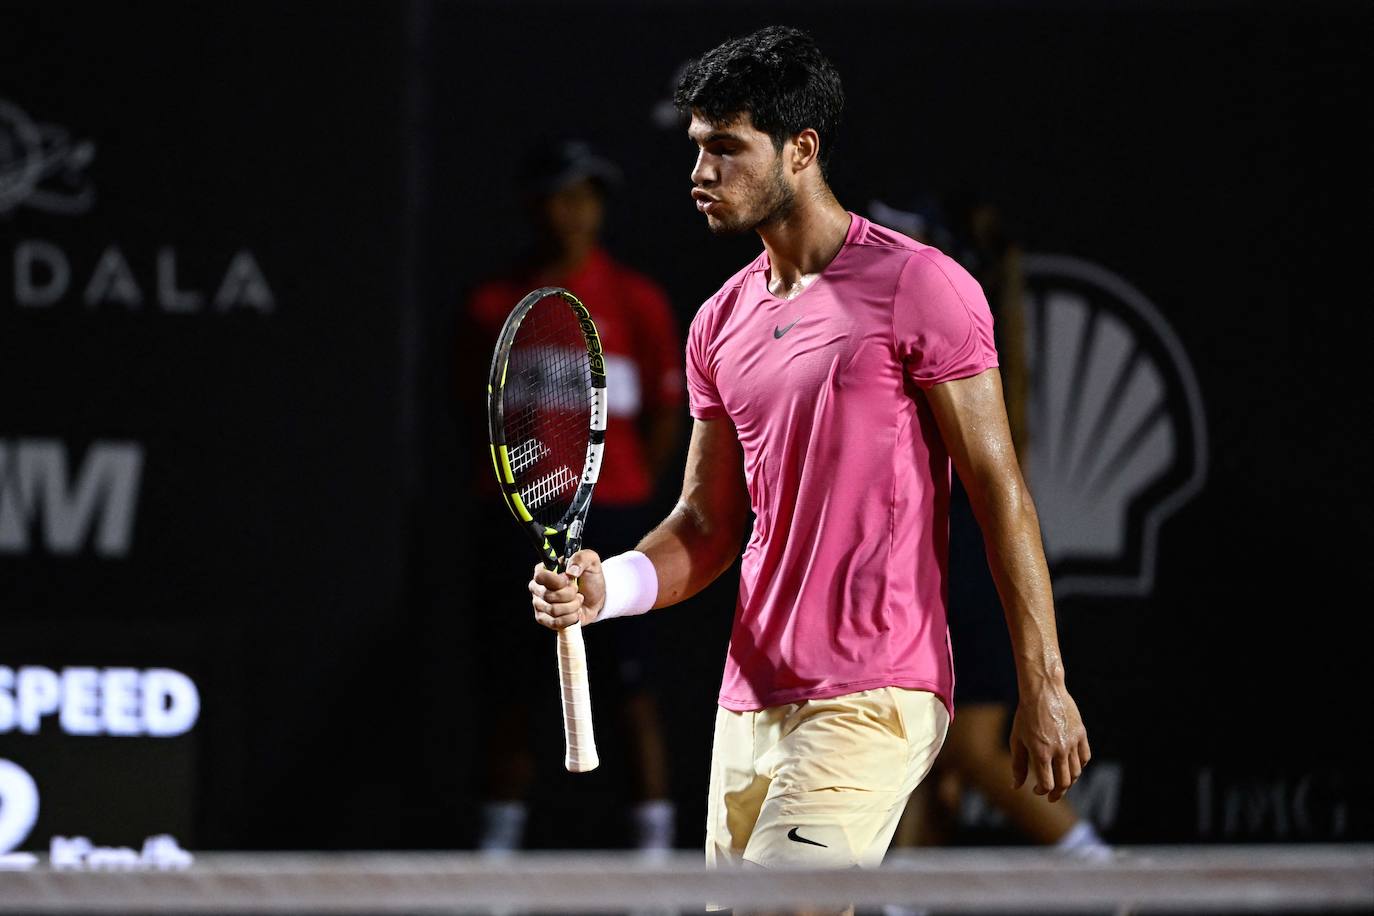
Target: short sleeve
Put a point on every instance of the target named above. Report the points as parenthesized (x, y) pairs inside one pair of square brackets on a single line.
[(489, 304), (941, 321), (703, 397)]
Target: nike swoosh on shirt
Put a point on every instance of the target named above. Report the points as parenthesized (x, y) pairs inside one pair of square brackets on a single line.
[(778, 332), (792, 834)]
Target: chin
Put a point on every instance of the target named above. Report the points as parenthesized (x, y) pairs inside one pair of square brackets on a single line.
[(722, 227)]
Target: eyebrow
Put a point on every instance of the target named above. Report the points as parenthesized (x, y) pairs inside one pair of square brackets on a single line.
[(716, 136)]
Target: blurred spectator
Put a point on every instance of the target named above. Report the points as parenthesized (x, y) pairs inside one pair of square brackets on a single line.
[(976, 754), (566, 185)]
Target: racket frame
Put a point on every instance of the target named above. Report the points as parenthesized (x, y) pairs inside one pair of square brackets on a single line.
[(571, 525), (572, 657)]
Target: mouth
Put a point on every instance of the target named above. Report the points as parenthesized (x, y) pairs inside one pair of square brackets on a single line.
[(705, 202)]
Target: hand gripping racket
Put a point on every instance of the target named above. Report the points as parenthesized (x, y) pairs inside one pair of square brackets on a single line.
[(546, 409)]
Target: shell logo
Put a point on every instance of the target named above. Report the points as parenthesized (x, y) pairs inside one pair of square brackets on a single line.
[(1118, 436), (40, 166)]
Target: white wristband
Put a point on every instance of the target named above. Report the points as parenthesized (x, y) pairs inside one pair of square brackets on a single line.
[(631, 585)]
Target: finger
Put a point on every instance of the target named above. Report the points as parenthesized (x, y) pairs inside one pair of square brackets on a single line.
[(553, 587), (1063, 778), (1018, 764), (583, 561), (1075, 766), (549, 578), (557, 608), (561, 598), (561, 595), (565, 615), (1085, 753), (1044, 775)]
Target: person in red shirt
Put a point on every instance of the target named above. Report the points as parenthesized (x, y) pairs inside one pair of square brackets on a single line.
[(566, 186)]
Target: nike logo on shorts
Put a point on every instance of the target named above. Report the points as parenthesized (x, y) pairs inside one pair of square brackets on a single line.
[(792, 834), (778, 332)]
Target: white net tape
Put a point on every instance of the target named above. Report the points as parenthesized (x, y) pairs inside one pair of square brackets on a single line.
[(1227, 879)]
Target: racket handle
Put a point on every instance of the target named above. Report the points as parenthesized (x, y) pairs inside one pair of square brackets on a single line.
[(577, 701)]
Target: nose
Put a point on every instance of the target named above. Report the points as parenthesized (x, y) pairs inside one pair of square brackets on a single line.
[(704, 172)]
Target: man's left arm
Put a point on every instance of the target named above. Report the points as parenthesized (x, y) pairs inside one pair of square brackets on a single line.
[(1047, 732)]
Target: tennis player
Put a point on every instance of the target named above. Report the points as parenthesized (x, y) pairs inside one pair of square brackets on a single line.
[(831, 382)]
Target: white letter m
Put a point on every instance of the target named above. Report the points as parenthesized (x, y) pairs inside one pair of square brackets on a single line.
[(34, 486)]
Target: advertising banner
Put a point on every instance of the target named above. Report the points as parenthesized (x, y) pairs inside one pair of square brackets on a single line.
[(199, 364)]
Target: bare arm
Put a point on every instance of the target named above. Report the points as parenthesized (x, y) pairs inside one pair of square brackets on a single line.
[(1047, 731), (1011, 348), (697, 542), (701, 537)]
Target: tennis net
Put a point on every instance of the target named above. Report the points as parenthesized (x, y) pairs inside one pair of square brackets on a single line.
[(1175, 879)]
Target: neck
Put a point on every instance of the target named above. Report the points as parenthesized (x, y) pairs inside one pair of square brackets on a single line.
[(804, 241)]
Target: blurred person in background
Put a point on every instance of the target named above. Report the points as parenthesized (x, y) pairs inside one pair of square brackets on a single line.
[(975, 755), (566, 185)]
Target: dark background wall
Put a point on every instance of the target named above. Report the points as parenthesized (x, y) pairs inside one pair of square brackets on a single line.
[(303, 533)]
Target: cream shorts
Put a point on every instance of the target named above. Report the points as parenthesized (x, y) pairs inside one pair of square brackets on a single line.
[(819, 783)]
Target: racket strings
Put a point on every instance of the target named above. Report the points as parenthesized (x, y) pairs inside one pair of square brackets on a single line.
[(547, 409), (550, 485)]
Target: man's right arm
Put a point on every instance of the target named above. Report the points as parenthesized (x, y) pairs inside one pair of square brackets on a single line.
[(697, 542), (701, 537)]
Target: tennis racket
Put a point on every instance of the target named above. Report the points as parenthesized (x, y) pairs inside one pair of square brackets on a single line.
[(546, 408)]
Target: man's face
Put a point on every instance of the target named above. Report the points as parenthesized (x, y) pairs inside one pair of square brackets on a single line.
[(739, 181), (573, 214)]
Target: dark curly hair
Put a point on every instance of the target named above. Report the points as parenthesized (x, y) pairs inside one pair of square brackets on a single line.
[(778, 76)]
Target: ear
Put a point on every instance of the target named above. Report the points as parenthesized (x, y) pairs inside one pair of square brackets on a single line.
[(806, 150)]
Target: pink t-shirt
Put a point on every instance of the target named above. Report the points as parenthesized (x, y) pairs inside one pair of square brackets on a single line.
[(843, 581)]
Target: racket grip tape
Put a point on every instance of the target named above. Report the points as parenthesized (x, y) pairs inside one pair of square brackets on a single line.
[(577, 701)]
